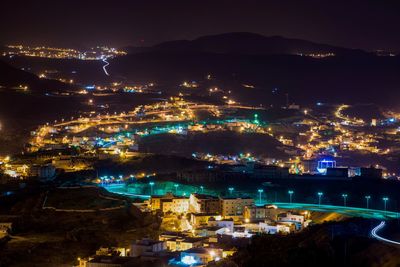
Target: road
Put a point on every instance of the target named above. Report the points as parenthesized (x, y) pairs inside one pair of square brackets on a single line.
[(104, 59), (374, 233), (348, 211)]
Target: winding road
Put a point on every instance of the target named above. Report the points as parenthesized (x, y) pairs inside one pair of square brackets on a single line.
[(374, 233), (104, 59)]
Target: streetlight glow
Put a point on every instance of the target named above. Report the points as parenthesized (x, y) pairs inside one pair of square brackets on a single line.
[(344, 199), (260, 191), (151, 187), (290, 192), (367, 198), (231, 190), (320, 194)]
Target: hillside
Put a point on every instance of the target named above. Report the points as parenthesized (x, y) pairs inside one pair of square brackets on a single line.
[(13, 77), (244, 43)]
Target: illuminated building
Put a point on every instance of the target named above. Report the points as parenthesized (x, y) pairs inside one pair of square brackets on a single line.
[(200, 256), (324, 164), (199, 203), (231, 206), (169, 203), (255, 213)]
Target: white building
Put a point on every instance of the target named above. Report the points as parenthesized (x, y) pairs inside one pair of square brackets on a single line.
[(274, 229), (170, 203)]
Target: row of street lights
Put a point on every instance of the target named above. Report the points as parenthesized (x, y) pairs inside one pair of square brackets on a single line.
[(321, 194), (290, 192)]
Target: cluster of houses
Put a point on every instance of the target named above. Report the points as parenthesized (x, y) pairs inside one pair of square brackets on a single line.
[(210, 228)]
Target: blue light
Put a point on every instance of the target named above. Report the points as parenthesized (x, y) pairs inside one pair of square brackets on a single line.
[(324, 164), (189, 260), (90, 87)]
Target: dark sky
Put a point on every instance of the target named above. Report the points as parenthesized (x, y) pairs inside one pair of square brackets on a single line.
[(363, 24)]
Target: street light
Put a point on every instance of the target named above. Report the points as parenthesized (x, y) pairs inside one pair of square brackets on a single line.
[(231, 190), (290, 192), (367, 198), (344, 199), (151, 187), (260, 191), (176, 188), (385, 200), (320, 194)]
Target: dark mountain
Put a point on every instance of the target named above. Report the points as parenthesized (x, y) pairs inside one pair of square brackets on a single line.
[(350, 78), (245, 43), (13, 77)]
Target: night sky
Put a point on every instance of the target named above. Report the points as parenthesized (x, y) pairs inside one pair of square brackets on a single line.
[(362, 24)]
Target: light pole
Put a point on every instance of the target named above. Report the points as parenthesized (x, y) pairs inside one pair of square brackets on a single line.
[(290, 192), (367, 198), (385, 200), (260, 191), (320, 194), (176, 188), (231, 190), (151, 187), (344, 199)]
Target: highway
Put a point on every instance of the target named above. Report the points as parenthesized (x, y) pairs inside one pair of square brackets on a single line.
[(374, 233), (104, 59), (348, 211)]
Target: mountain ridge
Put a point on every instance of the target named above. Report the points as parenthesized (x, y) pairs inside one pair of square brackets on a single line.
[(245, 43)]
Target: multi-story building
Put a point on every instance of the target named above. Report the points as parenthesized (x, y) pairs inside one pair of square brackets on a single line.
[(231, 206), (255, 213), (199, 203), (170, 203)]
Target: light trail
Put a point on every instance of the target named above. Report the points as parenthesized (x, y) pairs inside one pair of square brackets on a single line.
[(104, 59), (348, 211), (374, 233)]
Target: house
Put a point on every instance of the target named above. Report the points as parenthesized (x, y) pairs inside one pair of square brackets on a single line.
[(255, 213), (184, 243), (5, 228), (274, 228), (147, 247), (198, 219)]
